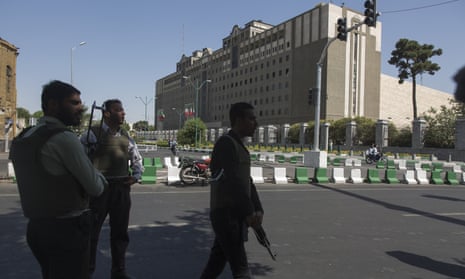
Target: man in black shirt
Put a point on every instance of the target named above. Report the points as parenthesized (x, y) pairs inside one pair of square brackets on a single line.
[(234, 201)]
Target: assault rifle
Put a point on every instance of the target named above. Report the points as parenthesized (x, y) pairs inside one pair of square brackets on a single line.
[(88, 144), (263, 240)]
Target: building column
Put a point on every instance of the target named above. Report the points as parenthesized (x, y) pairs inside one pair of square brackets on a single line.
[(351, 132), (324, 136), (266, 134), (382, 133), (460, 134), (418, 133), (284, 133), (303, 128)]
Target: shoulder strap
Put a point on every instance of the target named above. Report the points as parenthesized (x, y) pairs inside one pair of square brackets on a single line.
[(233, 141), (220, 174), (44, 134)]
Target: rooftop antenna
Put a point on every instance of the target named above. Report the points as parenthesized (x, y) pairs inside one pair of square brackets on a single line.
[(182, 40)]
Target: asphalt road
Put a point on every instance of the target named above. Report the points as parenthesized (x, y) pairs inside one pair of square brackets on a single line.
[(318, 231)]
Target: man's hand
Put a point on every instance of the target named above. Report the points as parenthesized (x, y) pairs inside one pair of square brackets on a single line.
[(255, 220), (130, 180)]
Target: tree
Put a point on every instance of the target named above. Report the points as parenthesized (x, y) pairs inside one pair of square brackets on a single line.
[(401, 138), (38, 114), (365, 133), (412, 59), (337, 130), (23, 113), (440, 130), (294, 132), (187, 133), (141, 126), (366, 129)]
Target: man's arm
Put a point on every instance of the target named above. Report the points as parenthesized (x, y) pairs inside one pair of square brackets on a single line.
[(69, 149), (89, 141)]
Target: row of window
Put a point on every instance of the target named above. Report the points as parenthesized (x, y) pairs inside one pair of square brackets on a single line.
[(261, 113)]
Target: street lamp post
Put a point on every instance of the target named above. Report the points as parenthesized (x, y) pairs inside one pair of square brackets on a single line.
[(197, 87), (180, 114), (145, 102), (71, 57)]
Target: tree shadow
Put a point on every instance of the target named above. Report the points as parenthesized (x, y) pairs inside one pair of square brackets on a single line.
[(447, 269), (16, 259), (157, 250), (396, 207), (443, 198)]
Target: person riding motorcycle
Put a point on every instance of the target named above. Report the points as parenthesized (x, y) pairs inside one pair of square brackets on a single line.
[(373, 153)]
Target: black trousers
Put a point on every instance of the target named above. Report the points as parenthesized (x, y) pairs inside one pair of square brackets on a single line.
[(61, 246), (115, 201), (228, 246)]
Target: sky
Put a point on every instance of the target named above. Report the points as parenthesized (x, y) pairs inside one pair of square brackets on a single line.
[(131, 44)]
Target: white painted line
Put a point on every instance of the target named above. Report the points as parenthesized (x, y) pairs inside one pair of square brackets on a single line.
[(168, 224), (440, 214)]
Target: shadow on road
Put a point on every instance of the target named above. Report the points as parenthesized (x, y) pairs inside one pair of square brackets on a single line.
[(158, 250), (443, 198), (447, 269), (396, 207)]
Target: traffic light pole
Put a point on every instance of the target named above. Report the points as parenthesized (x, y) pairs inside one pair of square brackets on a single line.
[(319, 65)]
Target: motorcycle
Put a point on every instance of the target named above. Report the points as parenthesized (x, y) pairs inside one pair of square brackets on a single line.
[(374, 158), (194, 171)]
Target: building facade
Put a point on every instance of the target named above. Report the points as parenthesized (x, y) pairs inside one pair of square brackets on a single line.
[(273, 68), (8, 94)]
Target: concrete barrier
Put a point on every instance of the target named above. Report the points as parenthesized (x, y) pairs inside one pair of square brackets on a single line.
[(279, 176), (409, 177), (173, 175), (356, 176), (338, 175), (257, 175)]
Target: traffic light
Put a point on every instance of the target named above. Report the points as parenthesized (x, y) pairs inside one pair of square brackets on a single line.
[(342, 29), (310, 96), (370, 13)]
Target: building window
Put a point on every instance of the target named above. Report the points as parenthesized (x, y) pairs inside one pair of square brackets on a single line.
[(9, 77)]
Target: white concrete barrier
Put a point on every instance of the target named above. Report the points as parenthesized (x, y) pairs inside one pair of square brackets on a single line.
[(409, 177), (402, 164), (257, 175), (420, 176), (11, 170), (355, 176), (167, 162), (270, 157), (338, 175), (280, 176), (173, 175)]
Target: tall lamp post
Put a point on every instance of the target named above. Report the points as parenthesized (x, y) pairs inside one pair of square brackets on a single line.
[(197, 88), (180, 114), (145, 102), (71, 57)]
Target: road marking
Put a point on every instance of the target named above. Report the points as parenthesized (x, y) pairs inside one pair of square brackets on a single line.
[(432, 214), (167, 224)]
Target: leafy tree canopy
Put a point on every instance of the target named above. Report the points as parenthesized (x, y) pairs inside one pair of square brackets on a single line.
[(412, 59)]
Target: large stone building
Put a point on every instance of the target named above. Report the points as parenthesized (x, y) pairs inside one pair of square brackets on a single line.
[(273, 67), (8, 55)]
